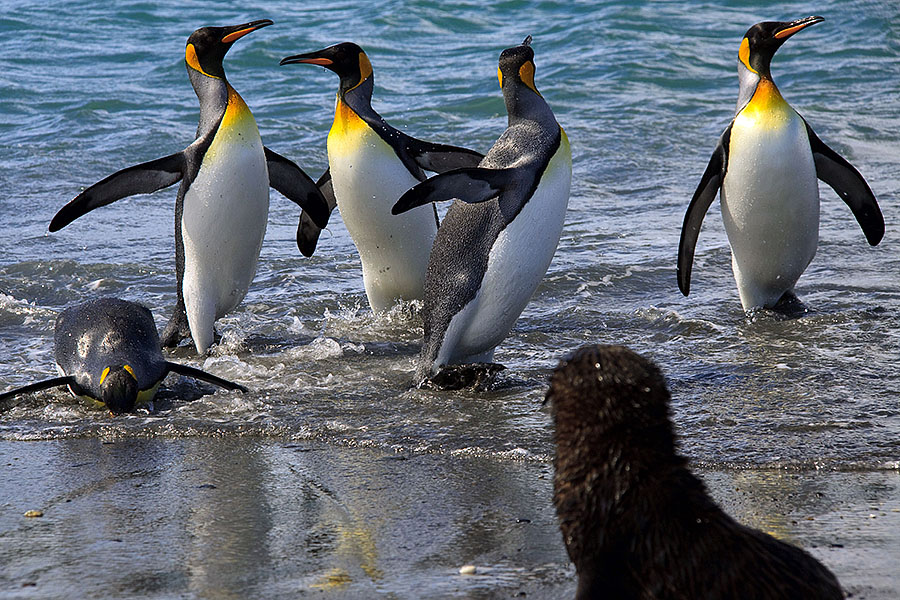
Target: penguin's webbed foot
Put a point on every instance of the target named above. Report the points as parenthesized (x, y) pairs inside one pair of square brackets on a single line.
[(176, 330), (788, 307), (475, 376)]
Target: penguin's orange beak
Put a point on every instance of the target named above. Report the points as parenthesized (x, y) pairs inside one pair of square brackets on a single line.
[(325, 62), (795, 26), (310, 58), (236, 32)]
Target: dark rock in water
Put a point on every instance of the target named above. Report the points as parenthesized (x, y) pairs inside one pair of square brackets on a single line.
[(477, 376), (636, 522)]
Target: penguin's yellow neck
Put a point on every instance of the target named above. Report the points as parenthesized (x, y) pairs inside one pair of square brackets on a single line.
[(347, 129), (236, 110), (766, 106)]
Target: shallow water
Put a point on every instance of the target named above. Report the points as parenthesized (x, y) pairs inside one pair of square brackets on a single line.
[(643, 90)]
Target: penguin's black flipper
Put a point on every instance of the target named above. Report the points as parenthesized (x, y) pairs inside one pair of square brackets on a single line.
[(37, 387), (203, 376), (833, 169), (140, 179), (326, 187), (703, 198), (298, 187), (470, 185), (440, 158), (307, 231)]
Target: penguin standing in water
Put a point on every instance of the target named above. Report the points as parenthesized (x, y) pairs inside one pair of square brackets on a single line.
[(766, 164), (371, 165), (223, 202), (496, 241), (108, 351), (636, 522)]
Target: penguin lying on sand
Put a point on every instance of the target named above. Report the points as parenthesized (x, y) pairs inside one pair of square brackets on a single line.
[(108, 351), (635, 521), (766, 164), (370, 165), (498, 238), (223, 201)]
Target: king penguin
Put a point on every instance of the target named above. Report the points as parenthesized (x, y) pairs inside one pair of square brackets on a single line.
[(498, 237), (108, 351), (766, 164), (223, 201), (371, 164)]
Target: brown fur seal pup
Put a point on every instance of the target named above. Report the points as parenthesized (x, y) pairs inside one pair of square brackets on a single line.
[(635, 521)]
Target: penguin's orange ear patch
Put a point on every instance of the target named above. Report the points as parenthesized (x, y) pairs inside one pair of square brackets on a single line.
[(744, 54), (190, 56), (365, 67), (526, 74), (365, 70)]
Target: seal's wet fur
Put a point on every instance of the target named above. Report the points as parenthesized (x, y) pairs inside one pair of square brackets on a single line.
[(635, 521)]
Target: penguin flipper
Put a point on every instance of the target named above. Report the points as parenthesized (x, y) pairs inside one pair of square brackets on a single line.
[(140, 179), (37, 387), (307, 231), (833, 169), (470, 185), (295, 185), (440, 158), (203, 376), (703, 198)]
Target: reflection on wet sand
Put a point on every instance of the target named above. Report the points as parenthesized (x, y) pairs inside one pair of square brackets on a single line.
[(227, 520), (252, 517)]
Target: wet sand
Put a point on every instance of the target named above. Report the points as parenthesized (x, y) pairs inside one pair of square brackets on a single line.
[(250, 517)]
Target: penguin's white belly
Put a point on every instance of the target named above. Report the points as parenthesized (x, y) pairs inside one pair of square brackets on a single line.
[(368, 179), (518, 260), (222, 226), (770, 207)]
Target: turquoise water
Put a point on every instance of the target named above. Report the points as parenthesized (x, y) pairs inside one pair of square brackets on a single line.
[(643, 90)]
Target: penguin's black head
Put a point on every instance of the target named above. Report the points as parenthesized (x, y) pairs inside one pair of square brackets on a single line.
[(346, 59), (517, 64), (118, 389), (206, 48), (763, 39)]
